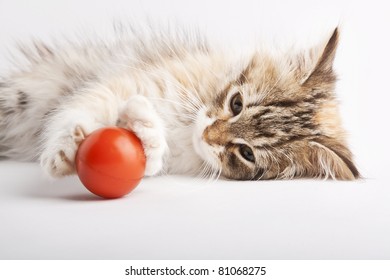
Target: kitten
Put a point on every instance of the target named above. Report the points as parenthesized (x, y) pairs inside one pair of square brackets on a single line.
[(195, 108)]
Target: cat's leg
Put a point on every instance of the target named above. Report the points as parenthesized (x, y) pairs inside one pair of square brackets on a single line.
[(70, 123), (139, 115)]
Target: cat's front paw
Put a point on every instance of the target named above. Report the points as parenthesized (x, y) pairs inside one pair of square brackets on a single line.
[(139, 116), (58, 157)]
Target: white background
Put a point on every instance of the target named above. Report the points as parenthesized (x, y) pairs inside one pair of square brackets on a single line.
[(185, 218)]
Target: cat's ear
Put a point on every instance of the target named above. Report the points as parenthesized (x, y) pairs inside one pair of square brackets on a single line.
[(330, 158), (316, 65)]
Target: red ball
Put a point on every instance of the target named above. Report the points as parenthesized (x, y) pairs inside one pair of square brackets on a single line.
[(110, 162)]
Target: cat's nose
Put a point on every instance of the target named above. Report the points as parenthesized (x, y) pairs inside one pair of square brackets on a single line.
[(215, 134)]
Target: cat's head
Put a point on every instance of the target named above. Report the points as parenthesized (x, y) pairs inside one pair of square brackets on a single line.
[(278, 118)]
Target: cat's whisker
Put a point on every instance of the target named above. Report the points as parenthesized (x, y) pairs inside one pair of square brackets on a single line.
[(180, 104), (208, 173), (273, 159), (204, 171), (219, 173), (283, 173), (211, 174), (216, 174), (189, 102)]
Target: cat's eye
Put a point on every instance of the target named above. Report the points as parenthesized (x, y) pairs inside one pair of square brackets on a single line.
[(247, 153), (236, 104)]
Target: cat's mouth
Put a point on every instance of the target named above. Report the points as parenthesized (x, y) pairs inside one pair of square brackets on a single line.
[(200, 146), (208, 153)]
